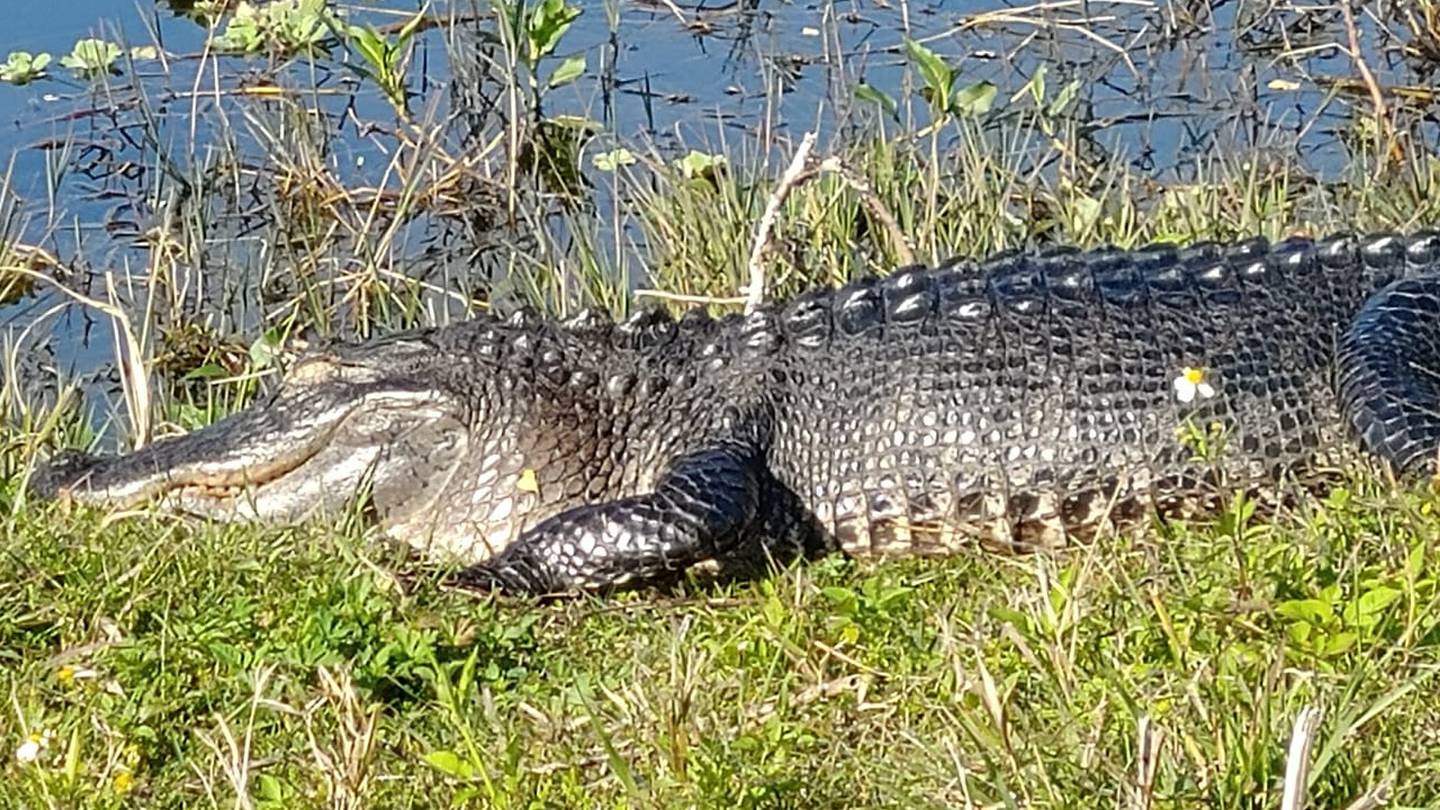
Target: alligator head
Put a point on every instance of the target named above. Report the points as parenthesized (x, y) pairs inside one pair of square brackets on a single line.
[(342, 422)]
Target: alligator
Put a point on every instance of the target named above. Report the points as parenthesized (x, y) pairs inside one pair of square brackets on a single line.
[(1026, 402)]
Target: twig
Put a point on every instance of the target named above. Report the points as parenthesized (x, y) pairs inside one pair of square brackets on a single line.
[(797, 174), (683, 298), (1147, 759), (903, 251), (1377, 97), (1297, 759), (755, 292), (1371, 799), (674, 9), (127, 349)]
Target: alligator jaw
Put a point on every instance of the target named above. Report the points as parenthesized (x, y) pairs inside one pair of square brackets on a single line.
[(250, 449), (275, 463)]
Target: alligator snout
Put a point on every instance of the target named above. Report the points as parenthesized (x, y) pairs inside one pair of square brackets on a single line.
[(66, 470)]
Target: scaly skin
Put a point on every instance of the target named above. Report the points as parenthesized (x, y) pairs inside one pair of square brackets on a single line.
[(1023, 403)]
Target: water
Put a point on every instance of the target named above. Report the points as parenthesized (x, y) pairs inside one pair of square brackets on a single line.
[(1162, 83)]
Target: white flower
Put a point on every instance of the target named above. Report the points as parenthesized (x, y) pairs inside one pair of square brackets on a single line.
[(1191, 383), (30, 750)]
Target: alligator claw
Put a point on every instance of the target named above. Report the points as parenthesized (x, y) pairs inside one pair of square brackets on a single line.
[(496, 578)]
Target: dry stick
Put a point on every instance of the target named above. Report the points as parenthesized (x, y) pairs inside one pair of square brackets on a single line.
[(755, 292), (1297, 759), (1377, 97), (904, 252), (127, 350), (797, 174), (1146, 761), (684, 298), (132, 366), (1371, 799)]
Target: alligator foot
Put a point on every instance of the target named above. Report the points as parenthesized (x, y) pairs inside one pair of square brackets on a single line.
[(700, 507), (503, 577)]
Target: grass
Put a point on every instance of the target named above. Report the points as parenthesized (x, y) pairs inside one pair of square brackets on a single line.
[(156, 663), (176, 666)]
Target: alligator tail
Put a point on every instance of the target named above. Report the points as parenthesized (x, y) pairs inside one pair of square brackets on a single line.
[(1388, 368)]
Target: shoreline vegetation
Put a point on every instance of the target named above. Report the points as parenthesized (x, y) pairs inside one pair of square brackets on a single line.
[(1289, 661)]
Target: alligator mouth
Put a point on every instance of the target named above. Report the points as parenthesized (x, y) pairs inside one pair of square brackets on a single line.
[(212, 468), (276, 462), (204, 489)]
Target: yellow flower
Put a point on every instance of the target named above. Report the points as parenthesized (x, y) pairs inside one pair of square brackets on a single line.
[(123, 783), (1192, 383), (67, 675), (529, 482)]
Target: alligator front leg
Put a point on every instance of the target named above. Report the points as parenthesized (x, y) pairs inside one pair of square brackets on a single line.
[(701, 507)]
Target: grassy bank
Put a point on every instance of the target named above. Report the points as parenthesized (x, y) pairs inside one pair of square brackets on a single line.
[(171, 666), (148, 662)]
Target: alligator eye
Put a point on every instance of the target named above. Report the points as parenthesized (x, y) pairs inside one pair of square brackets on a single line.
[(314, 367)]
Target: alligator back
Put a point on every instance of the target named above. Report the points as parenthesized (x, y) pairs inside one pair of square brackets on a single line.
[(1036, 399)]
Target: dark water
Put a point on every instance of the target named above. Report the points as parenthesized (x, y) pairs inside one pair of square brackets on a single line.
[(1162, 83)]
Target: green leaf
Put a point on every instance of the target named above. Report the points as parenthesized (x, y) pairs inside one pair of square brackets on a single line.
[(548, 23), (1339, 643), (1314, 611), (71, 769), (1367, 610), (269, 788), (866, 93), (411, 27), (774, 611), (1064, 98), (1015, 617), (1036, 85), (264, 351), (1299, 632), (937, 75), (614, 159), (209, 371), (1415, 561), (91, 57), (843, 600), (699, 164), (370, 45), (450, 764), (569, 70), (1085, 211), (22, 68), (977, 99)]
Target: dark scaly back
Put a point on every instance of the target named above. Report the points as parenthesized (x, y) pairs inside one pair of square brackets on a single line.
[(1031, 399)]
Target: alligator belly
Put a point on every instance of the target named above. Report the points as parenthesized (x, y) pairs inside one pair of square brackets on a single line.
[(891, 524)]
